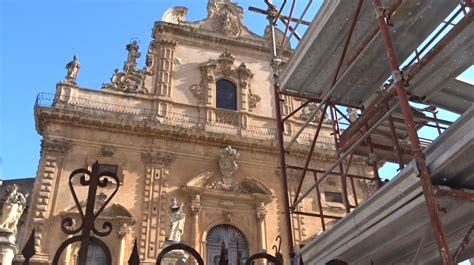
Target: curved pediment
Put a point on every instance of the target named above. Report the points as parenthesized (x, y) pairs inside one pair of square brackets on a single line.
[(253, 185), (207, 181), (115, 210)]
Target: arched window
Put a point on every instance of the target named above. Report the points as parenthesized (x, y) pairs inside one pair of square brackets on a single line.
[(226, 95), (232, 237)]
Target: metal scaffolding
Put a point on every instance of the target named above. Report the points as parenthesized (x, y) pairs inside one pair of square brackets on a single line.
[(378, 116)]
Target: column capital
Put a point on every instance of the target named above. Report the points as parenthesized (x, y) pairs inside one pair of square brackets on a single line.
[(60, 147), (196, 205)]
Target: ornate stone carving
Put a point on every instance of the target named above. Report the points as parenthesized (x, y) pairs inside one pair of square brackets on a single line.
[(60, 147), (177, 219), (72, 71), (175, 15), (226, 17), (197, 91), (227, 164), (226, 61), (131, 80), (308, 111), (12, 209), (158, 158), (228, 216), (253, 100)]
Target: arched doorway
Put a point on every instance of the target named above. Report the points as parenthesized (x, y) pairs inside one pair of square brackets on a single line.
[(233, 239)]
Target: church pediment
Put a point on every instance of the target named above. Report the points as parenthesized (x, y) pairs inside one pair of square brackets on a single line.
[(255, 186), (209, 181), (113, 211), (223, 17)]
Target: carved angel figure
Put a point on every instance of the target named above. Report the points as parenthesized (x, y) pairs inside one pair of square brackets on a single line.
[(177, 218), (12, 209)]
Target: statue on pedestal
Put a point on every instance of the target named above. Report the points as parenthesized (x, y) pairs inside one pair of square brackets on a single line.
[(13, 207), (177, 218), (72, 70)]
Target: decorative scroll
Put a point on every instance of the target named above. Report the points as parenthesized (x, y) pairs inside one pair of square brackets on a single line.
[(93, 180), (131, 80)]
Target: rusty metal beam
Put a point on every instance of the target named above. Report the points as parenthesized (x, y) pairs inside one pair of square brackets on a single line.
[(425, 180), (457, 194)]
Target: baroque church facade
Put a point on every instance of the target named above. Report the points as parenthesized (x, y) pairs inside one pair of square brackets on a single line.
[(196, 124)]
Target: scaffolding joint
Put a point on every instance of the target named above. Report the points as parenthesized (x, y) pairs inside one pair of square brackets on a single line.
[(385, 13)]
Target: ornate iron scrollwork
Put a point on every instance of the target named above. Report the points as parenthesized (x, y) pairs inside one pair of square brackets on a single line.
[(93, 180)]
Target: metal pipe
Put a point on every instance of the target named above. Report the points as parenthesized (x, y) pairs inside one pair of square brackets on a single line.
[(279, 124), (394, 137), (463, 245), (372, 112), (420, 245), (293, 30), (320, 206), (287, 24), (374, 165), (322, 171), (356, 203), (310, 154), (458, 194), (296, 110), (345, 154), (414, 141), (317, 215), (335, 130)]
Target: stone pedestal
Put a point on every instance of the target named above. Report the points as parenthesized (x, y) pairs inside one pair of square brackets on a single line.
[(8, 246)]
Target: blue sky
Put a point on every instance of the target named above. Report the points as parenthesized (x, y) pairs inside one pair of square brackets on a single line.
[(39, 37)]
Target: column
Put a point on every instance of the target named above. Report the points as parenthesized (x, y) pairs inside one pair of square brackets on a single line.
[(68, 253), (195, 211), (122, 233), (261, 231)]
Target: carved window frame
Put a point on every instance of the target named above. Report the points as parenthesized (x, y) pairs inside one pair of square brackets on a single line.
[(224, 68)]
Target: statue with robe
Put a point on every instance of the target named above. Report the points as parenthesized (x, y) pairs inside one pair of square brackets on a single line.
[(72, 69), (177, 218), (12, 209)]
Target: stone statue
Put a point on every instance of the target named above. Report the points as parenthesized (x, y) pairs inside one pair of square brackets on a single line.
[(133, 55), (352, 114), (13, 207), (177, 218), (72, 69)]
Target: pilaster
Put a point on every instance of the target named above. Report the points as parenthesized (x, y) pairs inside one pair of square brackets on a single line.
[(53, 153), (152, 228)]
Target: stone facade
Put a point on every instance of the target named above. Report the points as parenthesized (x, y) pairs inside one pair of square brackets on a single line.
[(161, 130)]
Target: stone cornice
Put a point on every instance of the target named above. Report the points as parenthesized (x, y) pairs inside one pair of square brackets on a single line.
[(44, 116), (187, 34)]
